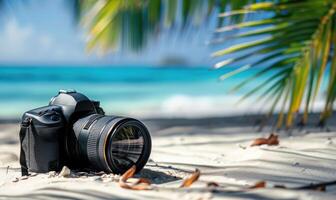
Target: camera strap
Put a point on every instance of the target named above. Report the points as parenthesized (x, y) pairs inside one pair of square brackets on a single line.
[(23, 162)]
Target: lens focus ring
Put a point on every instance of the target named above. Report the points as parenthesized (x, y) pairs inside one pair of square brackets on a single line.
[(95, 145)]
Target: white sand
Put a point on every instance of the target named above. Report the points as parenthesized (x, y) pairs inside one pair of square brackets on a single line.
[(220, 151)]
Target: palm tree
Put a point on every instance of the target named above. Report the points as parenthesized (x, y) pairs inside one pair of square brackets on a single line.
[(297, 37)]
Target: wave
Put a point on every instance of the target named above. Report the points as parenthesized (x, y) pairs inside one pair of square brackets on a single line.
[(206, 106), (196, 106), (179, 105)]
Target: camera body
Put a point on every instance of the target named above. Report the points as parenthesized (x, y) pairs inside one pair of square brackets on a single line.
[(73, 131), (44, 130)]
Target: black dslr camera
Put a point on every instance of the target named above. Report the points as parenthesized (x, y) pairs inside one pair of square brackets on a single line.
[(73, 131)]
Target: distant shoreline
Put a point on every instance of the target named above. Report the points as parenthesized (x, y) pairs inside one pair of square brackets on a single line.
[(247, 120)]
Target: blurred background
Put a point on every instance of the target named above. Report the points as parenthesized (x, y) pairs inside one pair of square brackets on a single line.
[(43, 49), (161, 58)]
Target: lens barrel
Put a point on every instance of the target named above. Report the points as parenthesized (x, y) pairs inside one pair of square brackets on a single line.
[(112, 143)]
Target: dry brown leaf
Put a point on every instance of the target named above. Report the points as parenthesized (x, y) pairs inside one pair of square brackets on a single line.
[(190, 180), (321, 188), (212, 184), (260, 184), (140, 184), (280, 186), (128, 174), (271, 140)]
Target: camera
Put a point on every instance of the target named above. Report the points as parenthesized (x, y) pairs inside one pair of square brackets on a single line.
[(74, 131)]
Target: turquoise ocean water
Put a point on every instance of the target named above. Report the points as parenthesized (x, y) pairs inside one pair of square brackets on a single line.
[(138, 91)]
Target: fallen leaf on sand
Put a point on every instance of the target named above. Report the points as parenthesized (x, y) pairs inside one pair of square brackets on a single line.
[(129, 173), (271, 140), (140, 184), (280, 186), (190, 180), (212, 184), (260, 184), (322, 188)]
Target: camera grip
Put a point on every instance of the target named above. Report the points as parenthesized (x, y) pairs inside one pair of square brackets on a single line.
[(40, 142)]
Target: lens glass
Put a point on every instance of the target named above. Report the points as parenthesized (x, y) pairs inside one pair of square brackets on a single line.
[(126, 146)]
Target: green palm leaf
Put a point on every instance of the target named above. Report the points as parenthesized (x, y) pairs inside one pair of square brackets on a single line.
[(301, 36), (112, 24)]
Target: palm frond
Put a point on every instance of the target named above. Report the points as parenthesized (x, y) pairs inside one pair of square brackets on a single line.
[(115, 24), (301, 37), (134, 22)]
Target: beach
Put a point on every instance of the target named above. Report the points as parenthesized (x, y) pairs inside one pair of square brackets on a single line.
[(219, 147), (238, 97)]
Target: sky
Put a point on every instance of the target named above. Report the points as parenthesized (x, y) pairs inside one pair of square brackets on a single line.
[(45, 33)]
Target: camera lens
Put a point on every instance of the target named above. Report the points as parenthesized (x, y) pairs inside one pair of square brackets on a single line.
[(125, 145), (112, 143)]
